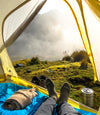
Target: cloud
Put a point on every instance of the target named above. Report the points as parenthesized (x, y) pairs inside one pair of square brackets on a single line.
[(44, 37)]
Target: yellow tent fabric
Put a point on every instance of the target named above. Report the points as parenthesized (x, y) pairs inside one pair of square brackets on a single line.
[(5, 10), (94, 5), (98, 112), (77, 10), (2, 76), (7, 64), (17, 21), (76, 7), (17, 25)]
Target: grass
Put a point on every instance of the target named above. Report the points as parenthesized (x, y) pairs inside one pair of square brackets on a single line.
[(61, 72)]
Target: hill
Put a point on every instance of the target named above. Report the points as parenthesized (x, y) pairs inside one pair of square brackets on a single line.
[(61, 72)]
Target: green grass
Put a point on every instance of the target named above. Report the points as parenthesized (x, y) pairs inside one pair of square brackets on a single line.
[(61, 72)]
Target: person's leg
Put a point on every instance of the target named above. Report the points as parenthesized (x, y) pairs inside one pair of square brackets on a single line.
[(63, 108), (66, 109), (48, 106)]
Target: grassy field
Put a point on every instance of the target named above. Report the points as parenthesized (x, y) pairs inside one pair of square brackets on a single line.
[(61, 72)]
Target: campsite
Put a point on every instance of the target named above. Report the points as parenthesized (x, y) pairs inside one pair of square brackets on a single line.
[(63, 71)]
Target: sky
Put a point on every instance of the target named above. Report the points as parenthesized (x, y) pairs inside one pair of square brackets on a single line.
[(52, 33), (54, 4)]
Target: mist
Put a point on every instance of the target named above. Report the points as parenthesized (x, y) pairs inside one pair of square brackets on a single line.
[(48, 36)]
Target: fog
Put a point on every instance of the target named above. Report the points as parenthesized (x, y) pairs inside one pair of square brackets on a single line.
[(49, 36)]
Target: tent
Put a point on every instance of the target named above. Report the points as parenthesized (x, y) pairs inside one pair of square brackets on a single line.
[(9, 11)]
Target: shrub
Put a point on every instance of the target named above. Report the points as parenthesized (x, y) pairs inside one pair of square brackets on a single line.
[(79, 56), (67, 58), (44, 62), (35, 60), (84, 64)]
